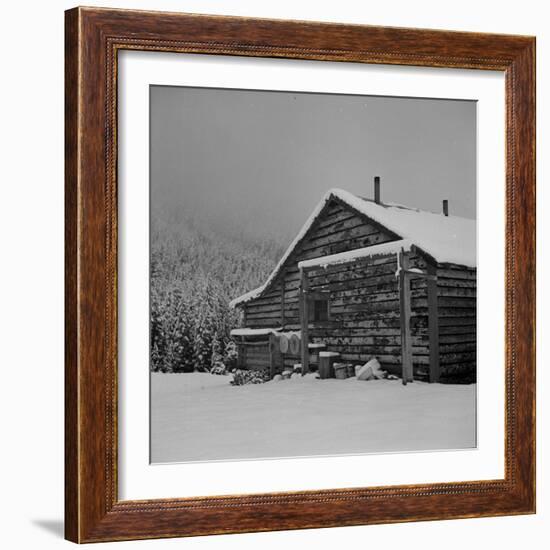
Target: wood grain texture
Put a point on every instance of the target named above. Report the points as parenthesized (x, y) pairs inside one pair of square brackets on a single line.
[(93, 38)]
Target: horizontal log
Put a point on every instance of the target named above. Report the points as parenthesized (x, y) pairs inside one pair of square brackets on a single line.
[(329, 220), (342, 241), (382, 290), (340, 299), (448, 291), (456, 274), (381, 323), (255, 344), (456, 312), (378, 307), (375, 303), (383, 359), (264, 300), (376, 350), (457, 347), (373, 283), (271, 317), (394, 340), (292, 294), (443, 302), (375, 294), (458, 330), (383, 282), (464, 366), (418, 283), (353, 332), (421, 334), (457, 338), (445, 358), (456, 283), (355, 316), (262, 323), (342, 231), (384, 319), (349, 226), (256, 309), (457, 321)]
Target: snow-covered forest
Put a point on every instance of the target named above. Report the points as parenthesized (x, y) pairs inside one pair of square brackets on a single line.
[(196, 269)]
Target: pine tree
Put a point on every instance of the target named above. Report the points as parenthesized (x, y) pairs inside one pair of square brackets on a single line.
[(195, 272)]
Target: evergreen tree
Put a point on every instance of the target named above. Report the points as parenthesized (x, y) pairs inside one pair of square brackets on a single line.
[(195, 272)]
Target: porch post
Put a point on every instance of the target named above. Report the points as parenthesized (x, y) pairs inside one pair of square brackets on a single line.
[(433, 324), (304, 320), (405, 318)]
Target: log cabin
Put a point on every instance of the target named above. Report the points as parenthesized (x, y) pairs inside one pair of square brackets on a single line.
[(365, 279)]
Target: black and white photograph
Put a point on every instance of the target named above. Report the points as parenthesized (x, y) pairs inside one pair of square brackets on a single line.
[(312, 274)]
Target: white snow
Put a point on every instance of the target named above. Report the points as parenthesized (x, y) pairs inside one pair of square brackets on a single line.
[(254, 293), (383, 249), (448, 239), (253, 331), (198, 416)]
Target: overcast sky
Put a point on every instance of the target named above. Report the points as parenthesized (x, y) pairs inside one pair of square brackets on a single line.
[(260, 161)]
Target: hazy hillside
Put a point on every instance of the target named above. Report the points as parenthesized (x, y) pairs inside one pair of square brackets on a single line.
[(196, 269)]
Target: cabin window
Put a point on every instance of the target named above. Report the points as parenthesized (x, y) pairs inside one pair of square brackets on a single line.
[(320, 310)]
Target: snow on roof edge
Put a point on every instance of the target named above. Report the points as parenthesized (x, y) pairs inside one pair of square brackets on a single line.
[(254, 293), (392, 247)]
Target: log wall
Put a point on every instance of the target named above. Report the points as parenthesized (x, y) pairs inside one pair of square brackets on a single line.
[(365, 313), (456, 306)]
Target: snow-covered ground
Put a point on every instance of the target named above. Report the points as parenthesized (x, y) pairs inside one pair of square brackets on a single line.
[(198, 416)]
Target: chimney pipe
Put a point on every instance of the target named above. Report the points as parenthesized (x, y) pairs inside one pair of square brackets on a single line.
[(377, 189), (445, 207)]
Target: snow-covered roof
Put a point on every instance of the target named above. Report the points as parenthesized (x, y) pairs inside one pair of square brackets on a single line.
[(447, 239), (393, 247)]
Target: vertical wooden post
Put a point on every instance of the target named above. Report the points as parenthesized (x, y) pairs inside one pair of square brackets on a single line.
[(304, 320), (283, 304), (433, 324), (405, 318), (271, 349)]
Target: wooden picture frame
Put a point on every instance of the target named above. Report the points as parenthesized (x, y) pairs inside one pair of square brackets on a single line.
[(93, 511)]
